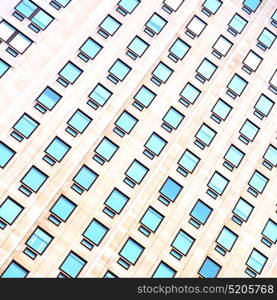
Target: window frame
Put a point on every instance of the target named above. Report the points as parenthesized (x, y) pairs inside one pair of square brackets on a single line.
[(151, 208), (190, 32), (151, 150), (14, 217), (134, 54), (18, 266), (43, 104), (65, 153), (201, 74), (8, 66), (79, 257), (56, 203), (89, 226), (181, 231), (192, 214), (7, 149), (239, 216), (106, 31), (26, 174), (71, 64), (135, 242), (214, 262), (28, 117), (89, 39), (233, 30), (152, 31), (167, 266), (96, 102), (74, 128), (95, 175), (216, 52)]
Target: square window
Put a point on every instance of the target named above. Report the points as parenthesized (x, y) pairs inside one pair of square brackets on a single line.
[(271, 155), (42, 19), (204, 136), (205, 70), (183, 242), (26, 125), (151, 220), (211, 6), (173, 118), (170, 189), (258, 182), (34, 179), (189, 94), (126, 122), (131, 251), (221, 111), (162, 72), (116, 201), (72, 265), (79, 121), (109, 25), (195, 27), (106, 149), (251, 5), (6, 154), (172, 5), (234, 157), (164, 271), (221, 46), (144, 97), (85, 177), (100, 95), (155, 24), (201, 212), (20, 42), (226, 239), (243, 209), (136, 171), (209, 268), (91, 48), (270, 231), (95, 232), (9, 211), (263, 106), (179, 49), (128, 5), (137, 47), (4, 67), (49, 98), (57, 149), (63, 208), (218, 183), (256, 261), (237, 24), (15, 270), (249, 131), (266, 39), (119, 70), (251, 62), (188, 161), (70, 72), (6, 30), (237, 85), (26, 8), (39, 240), (155, 144)]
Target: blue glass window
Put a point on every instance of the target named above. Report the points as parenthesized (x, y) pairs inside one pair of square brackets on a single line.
[(218, 183), (9, 211), (221, 46), (100, 95), (188, 161), (137, 47), (90, 48), (170, 189), (39, 240), (126, 122), (164, 271), (183, 242), (221, 111), (49, 98), (162, 72), (155, 24), (26, 7), (128, 5), (119, 70), (57, 149), (274, 18), (256, 261), (271, 155), (251, 62), (155, 144), (137, 171), (212, 5), (85, 177), (95, 232), (109, 25), (34, 179), (144, 97), (62, 3), (205, 136), (151, 219), (73, 265), (243, 209), (233, 156), (63, 208), (263, 106), (70, 72), (251, 5), (258, 181), (209, 269), (79, 121), (190, 94), (205, 70), (116, 201), (110, 274), (249, 131), (106, 149), (195, 27), (178, 50), (4, 67), (273, 83), (131, 251), (266, 39), (26, 125), (201, 212), (172, 118), (6, 154), (237, 24), (237, 85), (15, 270), (270, 231), (226, 239)]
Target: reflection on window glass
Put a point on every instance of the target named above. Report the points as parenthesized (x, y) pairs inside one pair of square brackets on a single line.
[(131, 251), (156, 23), (39, 240), (100, 94), (164, 271), (151, 219), (201, 212), (34, 179), (237, 24), (70, 72), (266, 39), (63, 208), (256, 261), (190, 93), (258, 181), (226, 239), (179, 49), (171, 189), (237, 85), (183, 242), (72, 265), (144, 96), (243, 209), (270, 231), (218, 183), (9, 211), (264, 105), (91, 48), (49, 98), (138, 46), (128, 5), (110, 25), (195, 27), (209, 269), (15, 270), (212, 5), (95, 232), (249, 131), (206, 69), (26, 125)]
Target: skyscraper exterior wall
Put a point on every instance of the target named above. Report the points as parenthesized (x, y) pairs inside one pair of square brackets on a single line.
[(138, 138)]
